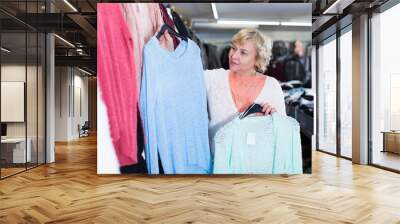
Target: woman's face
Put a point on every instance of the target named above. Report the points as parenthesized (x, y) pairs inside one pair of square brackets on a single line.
[(242, 58)]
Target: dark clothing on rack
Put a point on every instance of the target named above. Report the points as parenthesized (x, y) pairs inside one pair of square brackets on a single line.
[(160, 167), (213, 60), (307, 66), (225, 57), (275, 67), (279, 49), (293, 69), (169, 22), (180, 25), (140, 167)]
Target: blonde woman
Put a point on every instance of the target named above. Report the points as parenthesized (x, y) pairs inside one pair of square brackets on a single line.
[(230, 92)]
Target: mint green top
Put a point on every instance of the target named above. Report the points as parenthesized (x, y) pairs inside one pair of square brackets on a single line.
[(259, 145)]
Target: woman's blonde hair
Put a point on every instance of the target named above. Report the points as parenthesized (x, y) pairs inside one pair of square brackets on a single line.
[(263, 46)]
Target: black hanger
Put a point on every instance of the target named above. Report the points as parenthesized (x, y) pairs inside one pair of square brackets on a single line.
[(170, 31), (252, 109)]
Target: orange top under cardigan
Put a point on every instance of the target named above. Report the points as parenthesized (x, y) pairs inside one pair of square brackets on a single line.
[(245, 89)]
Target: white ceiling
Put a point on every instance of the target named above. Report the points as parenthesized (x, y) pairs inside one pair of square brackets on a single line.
[(207, 29), (294, 12), (194, 10)]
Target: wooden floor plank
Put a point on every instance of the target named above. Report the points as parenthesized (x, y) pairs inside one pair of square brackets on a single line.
[(70, 191)]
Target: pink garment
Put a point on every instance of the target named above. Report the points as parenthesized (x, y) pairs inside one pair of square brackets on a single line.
[(117, 80), (144, 20), (245, 89)]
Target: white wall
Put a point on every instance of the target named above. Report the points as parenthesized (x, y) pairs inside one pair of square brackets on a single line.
[(33, 126), (17, 73), (12, 101), (61, 103), (80, 83), (70, 83), (12, 73)]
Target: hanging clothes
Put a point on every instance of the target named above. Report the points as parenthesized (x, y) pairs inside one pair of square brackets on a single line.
[(275, 66), (180, 25), (140, 167), (117, 80), (173, 103), (213, 59), (143, 19), (225, 57), (221, 105), (259, 145), (275, 69), (293, 68), (168, 20)]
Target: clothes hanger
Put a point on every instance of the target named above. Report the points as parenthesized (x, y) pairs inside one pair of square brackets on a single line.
[(170, 31), (252, 109)]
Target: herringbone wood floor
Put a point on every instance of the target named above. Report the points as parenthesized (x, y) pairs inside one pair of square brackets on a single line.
[(70, 191)]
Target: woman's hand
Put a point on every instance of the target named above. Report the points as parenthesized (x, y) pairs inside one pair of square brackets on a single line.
[(268, 109)]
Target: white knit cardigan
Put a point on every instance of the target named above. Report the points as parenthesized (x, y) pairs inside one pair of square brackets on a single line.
[(221, 106)]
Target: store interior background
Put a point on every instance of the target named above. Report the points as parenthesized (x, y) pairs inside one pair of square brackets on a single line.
[(293, 23), (59, 76), (33, 119), (335, 51), (356, 188)]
